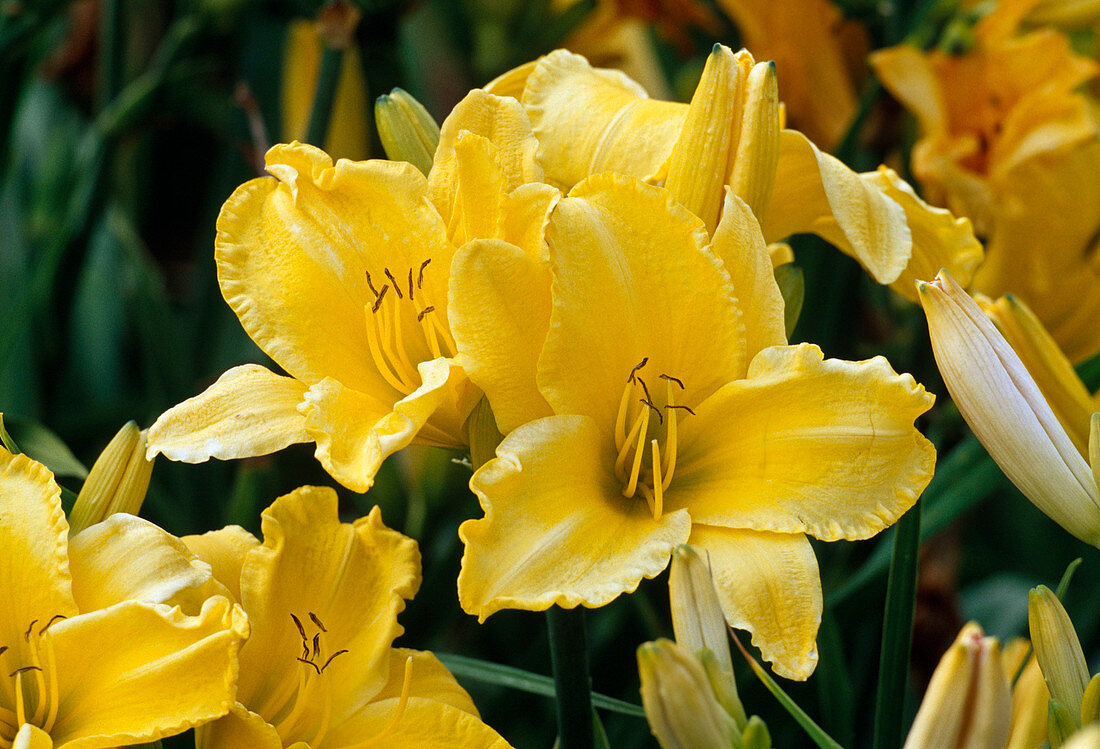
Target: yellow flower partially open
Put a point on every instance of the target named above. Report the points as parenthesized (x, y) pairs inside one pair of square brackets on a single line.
[(673, 410), (320, 670), (118, 636), (340, 274)]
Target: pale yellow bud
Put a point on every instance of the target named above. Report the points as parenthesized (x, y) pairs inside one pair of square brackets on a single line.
[(1058, 650), (1090, 702), (752, 172), (968, 702), (407, 131), (679, 704), (1006, 410), (697, 617), (117, 482)]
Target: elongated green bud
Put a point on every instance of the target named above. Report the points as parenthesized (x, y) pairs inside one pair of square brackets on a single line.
[(117, 482), (679, 704), (407, 131), (755, 735), (1057, 649), (1061, 724)]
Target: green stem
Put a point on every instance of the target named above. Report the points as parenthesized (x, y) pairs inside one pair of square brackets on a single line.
[(897, 632), (325, 96), (112, 33), (569, 659)]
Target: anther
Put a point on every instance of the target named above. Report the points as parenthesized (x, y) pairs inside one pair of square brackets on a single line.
[(420, 276), (27, 634), (381, 296), (316, 620), (371, 285), (637, 366), (301, 629), (316, 645), (660, 418), (330, 659), (396, 286), (24, 670), (426, 310), (50, 623), (682, 408), (670, 378), (410, 284), (3, 649), (311, 663)]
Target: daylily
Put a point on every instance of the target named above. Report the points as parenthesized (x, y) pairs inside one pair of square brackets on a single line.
[(589, 120), (1009, 414), (340, 274), (968, 702), (319, 670), (117, 636), (673, 410), (1028, 728), (1007, 141), (117, 482)]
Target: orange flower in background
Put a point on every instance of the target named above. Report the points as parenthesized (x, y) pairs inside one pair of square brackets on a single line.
[(1008, 141)]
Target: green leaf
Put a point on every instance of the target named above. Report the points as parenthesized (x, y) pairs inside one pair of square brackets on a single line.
[(792, 285), (525, 681), (39, 443), (812, 729)]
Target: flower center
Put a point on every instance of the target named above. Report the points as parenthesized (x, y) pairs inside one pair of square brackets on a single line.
[(32, 686), (314, 688), (392, 333), (638, 409)]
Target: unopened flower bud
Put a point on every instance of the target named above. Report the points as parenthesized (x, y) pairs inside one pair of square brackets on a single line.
[(1090, 703), (968, 701), (407, 131), (697, 617), (755, 735), (752, 172), (1058, 650), (1061, 724), (117, 482), (679, 704)]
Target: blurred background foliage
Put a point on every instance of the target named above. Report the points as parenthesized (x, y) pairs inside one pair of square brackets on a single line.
[(124, 124)]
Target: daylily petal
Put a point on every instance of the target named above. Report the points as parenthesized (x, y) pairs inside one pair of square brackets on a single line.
[(908, 75), (355, 431), (499, 119), (557, 529), (526, 216), (34, 568), (429, 679), (815, 192), (32, 737), (239, 729), (740, 246), (293, 256), (421, 722), (125, 558), (587, 121), (137, 672), (248, 411), (225, 551), (824, 447), (768, 584), (352, 577), (940, 240), (478, 190), (512, 82), (633, 280), (500, 315)]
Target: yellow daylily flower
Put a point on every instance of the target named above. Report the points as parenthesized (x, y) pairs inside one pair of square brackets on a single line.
[(1009, 142), (674, 410), (117, 636), (589, 120), (818, 55), (1028, 728), (1007, 411), (320, 670), (968, 703), (340, 274)]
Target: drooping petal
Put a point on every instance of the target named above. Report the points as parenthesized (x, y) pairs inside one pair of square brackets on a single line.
[(355, 431), (125, 558), (239, 729), (293, 256), (815, 192), (633, 280), (589, 120), (34, 567), (428, 678), (421, 722), (249, 411), (557, 529), (137, 672), (740, 246), (224, 550), (500, 315), (805, 445), (354, 578), (768, 584)]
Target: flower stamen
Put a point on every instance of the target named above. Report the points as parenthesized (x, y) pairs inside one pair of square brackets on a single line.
[(632, 484)]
